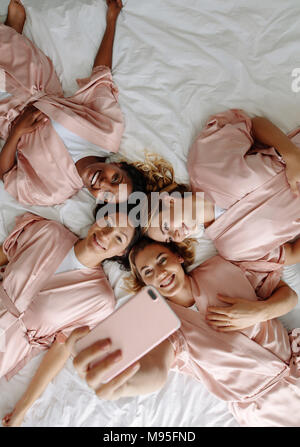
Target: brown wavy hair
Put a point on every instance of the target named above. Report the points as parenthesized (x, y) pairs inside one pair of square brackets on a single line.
[(185, 249)]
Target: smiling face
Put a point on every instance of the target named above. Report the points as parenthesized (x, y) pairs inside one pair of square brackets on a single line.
[(103, 180), (110, 236), (160, 267), (174, 222)]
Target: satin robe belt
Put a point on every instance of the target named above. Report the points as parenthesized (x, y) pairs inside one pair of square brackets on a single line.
[(12, 315), (35, 95)]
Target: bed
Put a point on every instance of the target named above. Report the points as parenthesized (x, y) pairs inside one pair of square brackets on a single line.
[(175, 63)]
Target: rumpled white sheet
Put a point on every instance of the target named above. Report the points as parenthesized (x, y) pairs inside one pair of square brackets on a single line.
[(175, 63)]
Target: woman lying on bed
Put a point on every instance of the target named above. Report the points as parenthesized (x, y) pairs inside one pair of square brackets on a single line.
[(249, 209), (53, 283), (255, 369), (249, 206), (61, 143)]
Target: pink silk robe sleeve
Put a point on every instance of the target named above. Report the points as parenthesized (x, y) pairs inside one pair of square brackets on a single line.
[(247, 368), (40, 305), (262, 213), (45, 173)]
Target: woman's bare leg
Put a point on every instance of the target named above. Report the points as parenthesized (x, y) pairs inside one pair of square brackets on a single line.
[(16, 15)]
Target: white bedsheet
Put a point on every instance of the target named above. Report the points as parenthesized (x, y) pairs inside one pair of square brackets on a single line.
[(175, 63)]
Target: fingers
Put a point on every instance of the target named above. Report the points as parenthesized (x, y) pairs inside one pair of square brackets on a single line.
[(226, 299), (227, 329), (90, 354), (40, 119), (220, 323), (95, 374), (6, 419), (219, 310), (36, 114), (294, 188), (76, 335), (218, 317), (110, 390)]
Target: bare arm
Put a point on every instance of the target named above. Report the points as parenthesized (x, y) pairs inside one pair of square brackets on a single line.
[(3, 257), (8, 154), (244, 313), (266, 132), (104, 55), (52, 363)]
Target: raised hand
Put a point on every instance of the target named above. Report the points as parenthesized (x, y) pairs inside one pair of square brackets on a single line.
[(93, 372)]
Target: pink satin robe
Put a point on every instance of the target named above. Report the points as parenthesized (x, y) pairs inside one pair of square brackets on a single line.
[(40, 305), (257, 370), (262, 213), (45, 173)]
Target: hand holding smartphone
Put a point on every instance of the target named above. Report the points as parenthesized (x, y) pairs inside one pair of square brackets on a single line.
[(142, 323)]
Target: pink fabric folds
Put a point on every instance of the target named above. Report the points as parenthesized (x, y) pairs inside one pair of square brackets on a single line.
[(262, 213), (39, 304), (253, 370), (45, 173)]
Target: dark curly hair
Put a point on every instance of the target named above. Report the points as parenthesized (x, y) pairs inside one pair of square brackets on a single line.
[(115, 208), (138, 179)]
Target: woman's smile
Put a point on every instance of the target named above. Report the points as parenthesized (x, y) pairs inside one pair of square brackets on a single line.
[(168, 281), (98, 243), (94, 177)]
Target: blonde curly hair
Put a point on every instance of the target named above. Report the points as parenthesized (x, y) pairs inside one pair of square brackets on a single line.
[(185, 249), (158, 172)]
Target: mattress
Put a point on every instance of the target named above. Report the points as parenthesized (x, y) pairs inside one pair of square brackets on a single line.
[(175, 63)]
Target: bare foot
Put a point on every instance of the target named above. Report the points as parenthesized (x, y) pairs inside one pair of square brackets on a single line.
[(16, 15)]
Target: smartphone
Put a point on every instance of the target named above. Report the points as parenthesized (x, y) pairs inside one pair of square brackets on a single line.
[(139, 325)]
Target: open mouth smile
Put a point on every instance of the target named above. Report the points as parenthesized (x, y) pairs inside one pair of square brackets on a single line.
[(168, 281), (98, 242), (95, 178)]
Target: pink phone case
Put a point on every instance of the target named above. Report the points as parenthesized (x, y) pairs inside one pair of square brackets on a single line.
[(136, 327)]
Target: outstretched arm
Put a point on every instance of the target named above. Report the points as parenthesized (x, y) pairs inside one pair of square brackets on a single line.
[(26, 123), (244, 313), (104, 55), (3, 257), (52, 363), (8, 154), (266, 132)]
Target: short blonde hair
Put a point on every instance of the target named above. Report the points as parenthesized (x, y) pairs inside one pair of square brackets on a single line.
[(185, 249)]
